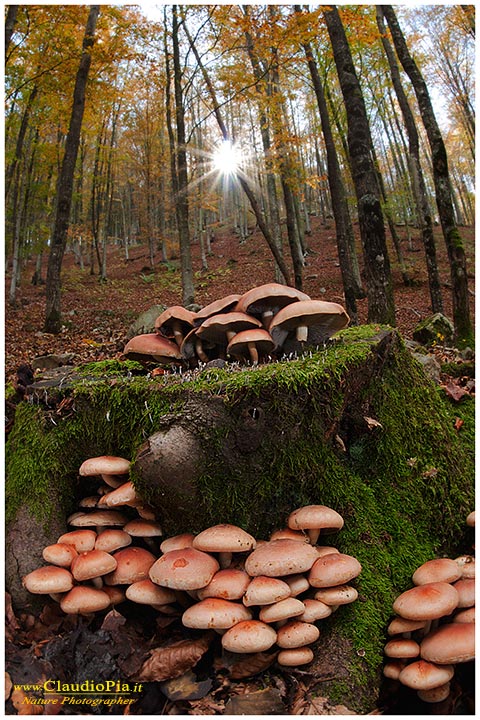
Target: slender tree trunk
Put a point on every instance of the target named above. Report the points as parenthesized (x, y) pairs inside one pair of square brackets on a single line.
[(20, 140), (372, 230), (10, 21), (53, 318), (443, 189), (418, 181)]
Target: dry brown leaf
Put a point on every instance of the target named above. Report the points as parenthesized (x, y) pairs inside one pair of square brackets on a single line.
[(8, 685), (455, 392), (318, 706), (243, 666), (186, 687), (372, 423), (173, 660), (19, 702)]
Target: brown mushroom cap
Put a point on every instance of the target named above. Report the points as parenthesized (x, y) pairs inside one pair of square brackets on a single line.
[(98, 518), (328, 318), (471, 519), (115, 594), (215, 613), (467, 565), (287, 534), (250, 345), (104, 464), (466, 592), (186, 569), (421, 675), (249, 636), (338, 595), (224, 538), (133, 564), (48, 579), (220, 329), (281, 610), (125, 494), (280, 557), (143, 528), (450, 643), (401, 625), (84, 599), (60, 554), (112, 539), (296, 633), (333, 569), (393, 668), (92, 564), (174, 323), (263, 590), (266, 300), (146, 592), (152, 347), (223, 305), (402, 648), (82, 540), (464, 616), (177, 542), (437, 570), (314, 610), (316, 518), (426, 602), (228, 584), (295, 656), (435, 695), (298, 584)]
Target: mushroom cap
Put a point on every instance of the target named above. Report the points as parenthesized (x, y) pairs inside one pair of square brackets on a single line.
[(153, 347), (176, 313), (421, 675), (297, 633), (401, 625), (435, 695), (133, 564), (297, 584), (228, 584), (92, 564), (104, 464), (224, 538), (280, 557), (464, 616), (333, 569), (268, 297), (327, 317), (185, 569), (223, 305), (48, 579), (437, 570), (84, 599), (471, 519), (60, 554), (98, 518), (282, 610), (249, 636), (287, 534), (177, 542), (143, 528), (146, 592), (116, 594), (112, 539), (295, 656), (263, 590), (216, 327), (88, 502), (314, 517), (314, 610), (338, 595), (466, 592), (467, 565), (402, 648), (426, 602), (122, 495), (215, 613), (82, 540), (393, 668), (238, 345), (450, 643)]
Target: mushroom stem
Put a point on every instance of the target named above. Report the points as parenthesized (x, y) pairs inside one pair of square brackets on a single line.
[(97, 582), (224, 559), (230, 334), (252, 349), (267, 317), (177, 332), (199, 350), (313, 535), (302, 333)]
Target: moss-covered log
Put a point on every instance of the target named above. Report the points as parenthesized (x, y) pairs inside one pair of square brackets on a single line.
[(356, 426)]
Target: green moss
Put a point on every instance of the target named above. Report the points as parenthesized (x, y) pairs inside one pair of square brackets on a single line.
[(459, 369), (106, 368)]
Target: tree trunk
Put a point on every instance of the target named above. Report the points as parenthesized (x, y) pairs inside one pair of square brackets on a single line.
[(372, 230), (443, 189), (418, 180), (10, 21), (53, 321)]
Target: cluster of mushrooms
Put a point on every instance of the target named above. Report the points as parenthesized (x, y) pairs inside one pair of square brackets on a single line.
[(268, 320), (254, 593), (434, 627)]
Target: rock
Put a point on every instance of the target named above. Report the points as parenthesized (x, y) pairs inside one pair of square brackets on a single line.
[(48, 362), (434, 330), (430, 365), (145, 322), (467, 354)]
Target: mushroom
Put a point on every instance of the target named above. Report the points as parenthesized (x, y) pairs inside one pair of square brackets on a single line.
[(435, 695), (402, 648), (228, 584), (221, 329), (133, 564), (466, 592), (338, 595), (92, 564), (125, 494), (192, 347), (98, 518), (287, 534), (112, 539), (314, 610), (281, 610), (215, 613), (152, 347), (224, 539), (471, 519), (60, 554), (464, 616), (467, 565), (250, 344), (177, 542), (83, 599), (295, 656), (421, 675), (437, 570), (146, 592), (48, 579), (265, 301), (327, 318), (146, 529), (297, 633), (280, 557), (402, 626), (264, 590), (333, 569), (105, 464), (297, 584), (223, 305), (314, 519), (174, 323), (393, 668), (426, 602), (249, 636), (185, 569), (82, 540), (449, 644)]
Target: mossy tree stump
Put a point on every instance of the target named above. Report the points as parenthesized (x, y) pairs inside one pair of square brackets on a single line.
[(356, 426)]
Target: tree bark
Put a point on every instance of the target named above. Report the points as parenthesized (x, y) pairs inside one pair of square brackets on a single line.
[(10, 21), (378, 279), (53, 323), (443, 188)]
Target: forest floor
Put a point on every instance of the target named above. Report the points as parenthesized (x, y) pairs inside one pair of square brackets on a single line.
[(97, 314)]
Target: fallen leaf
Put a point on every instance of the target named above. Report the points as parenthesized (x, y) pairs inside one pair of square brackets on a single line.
[(173, 660), (243, 666), (260, 702), (458, 423), (372, 424), (22, 706), (430, 473), (454, 392), (8, 685), (186, 687)]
